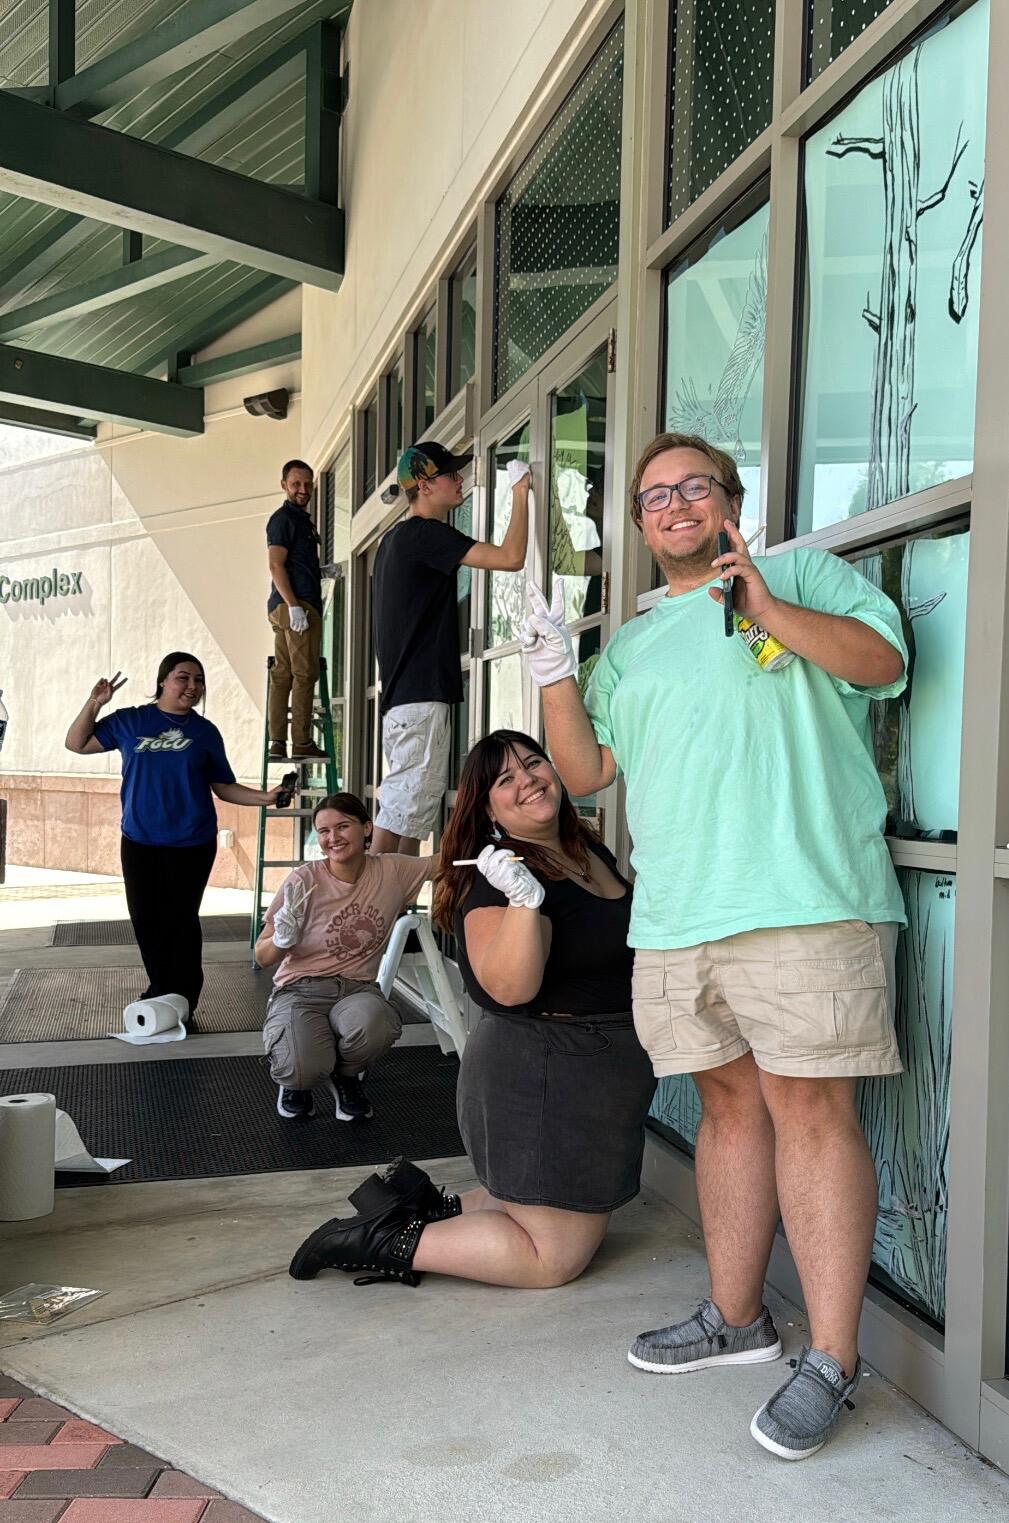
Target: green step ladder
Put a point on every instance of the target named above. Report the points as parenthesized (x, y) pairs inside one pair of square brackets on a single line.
[(308, 792)]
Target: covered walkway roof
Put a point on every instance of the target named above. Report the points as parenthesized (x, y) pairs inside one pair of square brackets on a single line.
[(167, 168)]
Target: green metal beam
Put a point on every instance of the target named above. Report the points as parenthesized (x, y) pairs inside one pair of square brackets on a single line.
[(50, 157), (244, 93), (199, 28), (46, 422), (323, 106), (213, 327), (227, 367), (27, 376), (62, 40), (104, 291), (133, 247)]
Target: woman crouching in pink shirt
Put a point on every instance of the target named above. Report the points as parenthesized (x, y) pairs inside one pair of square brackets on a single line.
[(329, 923)]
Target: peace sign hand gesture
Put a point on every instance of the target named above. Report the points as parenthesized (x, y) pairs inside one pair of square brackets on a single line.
[(104, 688), (545, 638)]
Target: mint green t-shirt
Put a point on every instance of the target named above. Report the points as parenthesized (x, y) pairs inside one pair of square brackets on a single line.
[(752, 796)]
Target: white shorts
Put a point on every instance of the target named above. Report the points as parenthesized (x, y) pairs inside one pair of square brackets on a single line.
[(416, 739)]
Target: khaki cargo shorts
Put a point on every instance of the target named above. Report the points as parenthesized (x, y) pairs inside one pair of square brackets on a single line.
[(809, 1001), (417, 740)]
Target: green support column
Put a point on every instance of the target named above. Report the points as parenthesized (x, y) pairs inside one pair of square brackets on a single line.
[(323, 107), (62, 40)]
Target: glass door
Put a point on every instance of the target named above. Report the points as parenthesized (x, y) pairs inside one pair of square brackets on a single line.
[(562, 424)]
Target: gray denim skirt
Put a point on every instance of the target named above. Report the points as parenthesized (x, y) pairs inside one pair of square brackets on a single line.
[(552, 1109)]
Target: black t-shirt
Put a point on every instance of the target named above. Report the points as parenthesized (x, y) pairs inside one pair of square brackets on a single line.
[(291, 527), (416, 626), (588, 970)]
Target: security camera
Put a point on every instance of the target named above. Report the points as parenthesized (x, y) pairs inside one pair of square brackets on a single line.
[(269, 404)]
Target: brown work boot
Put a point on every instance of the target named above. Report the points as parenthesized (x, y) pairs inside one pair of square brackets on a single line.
[(308, 752)]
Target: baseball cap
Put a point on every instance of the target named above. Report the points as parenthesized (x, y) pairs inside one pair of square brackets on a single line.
[(421, 462)]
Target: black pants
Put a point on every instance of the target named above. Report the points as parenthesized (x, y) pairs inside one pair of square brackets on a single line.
[(164, 887)]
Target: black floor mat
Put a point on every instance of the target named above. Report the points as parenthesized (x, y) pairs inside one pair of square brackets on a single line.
[(119, 933), (195, 1118), (83, 1004)]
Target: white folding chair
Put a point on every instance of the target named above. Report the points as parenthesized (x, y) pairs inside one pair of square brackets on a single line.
[(431, 979)]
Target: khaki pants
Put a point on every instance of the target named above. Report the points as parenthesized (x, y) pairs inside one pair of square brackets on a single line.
[(295, 673), (319, 1026)]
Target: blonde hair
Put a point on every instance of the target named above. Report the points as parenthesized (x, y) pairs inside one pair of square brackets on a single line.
[(725, 466)]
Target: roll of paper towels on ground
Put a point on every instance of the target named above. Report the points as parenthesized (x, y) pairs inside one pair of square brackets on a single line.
[(159, 1017), (27, 1156)]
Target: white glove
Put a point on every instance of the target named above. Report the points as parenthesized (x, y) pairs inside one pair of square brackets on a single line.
[(545, 639), (512, 878), (290, 918), (298, 618), (517, 471)]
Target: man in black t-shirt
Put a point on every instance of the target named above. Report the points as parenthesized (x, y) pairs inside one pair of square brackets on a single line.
[(416, 633), (295, 612)]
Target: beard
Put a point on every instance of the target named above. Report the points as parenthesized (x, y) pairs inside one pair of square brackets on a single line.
[(693, 562)]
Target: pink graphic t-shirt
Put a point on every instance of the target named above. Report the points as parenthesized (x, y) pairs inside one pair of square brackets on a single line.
[(348, 924)]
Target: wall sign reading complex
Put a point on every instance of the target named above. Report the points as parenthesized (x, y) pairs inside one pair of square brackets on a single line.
[(36, 589)]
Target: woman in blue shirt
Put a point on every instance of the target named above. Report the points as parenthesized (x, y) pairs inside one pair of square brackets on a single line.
[(173, 764)]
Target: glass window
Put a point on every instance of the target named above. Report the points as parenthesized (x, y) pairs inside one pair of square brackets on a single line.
[(369, 447), (395, 443), (906, 1118), (577, 465), (369, 747), (917, 736), (831, 25), (557, 224), (893, 207), (463, 318), (462, 519), (427, 370), (716, 314), (502, 709), (720, 79), (506, 604), (460, 733)]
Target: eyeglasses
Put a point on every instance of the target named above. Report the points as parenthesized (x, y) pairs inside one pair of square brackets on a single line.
[(691, 489)]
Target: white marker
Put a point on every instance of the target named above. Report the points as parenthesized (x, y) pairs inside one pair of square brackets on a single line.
[(472, 861)]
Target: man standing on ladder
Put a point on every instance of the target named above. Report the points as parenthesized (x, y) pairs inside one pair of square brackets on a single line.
[(417, 637), (295, 612)]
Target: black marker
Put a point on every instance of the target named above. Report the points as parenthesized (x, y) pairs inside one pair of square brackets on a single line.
[(723, 549)]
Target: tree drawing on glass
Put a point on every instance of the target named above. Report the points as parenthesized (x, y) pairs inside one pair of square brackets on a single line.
[(906, 1119), (892, 571), (718, 419), (678, 1106), (893, 320)]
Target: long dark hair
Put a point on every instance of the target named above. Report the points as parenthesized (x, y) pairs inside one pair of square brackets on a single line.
[(170, 662), (469, 830)]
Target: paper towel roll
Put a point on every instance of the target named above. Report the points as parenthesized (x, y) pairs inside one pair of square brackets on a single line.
[(147, 1017), (27, 1156)]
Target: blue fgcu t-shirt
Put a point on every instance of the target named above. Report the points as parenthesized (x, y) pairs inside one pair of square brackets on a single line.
[(169, 763)]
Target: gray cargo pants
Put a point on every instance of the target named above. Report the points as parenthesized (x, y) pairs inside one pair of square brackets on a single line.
[(319, 1026)]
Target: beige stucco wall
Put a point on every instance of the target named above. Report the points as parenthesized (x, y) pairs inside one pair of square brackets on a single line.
[(436, 92), (169, 537)]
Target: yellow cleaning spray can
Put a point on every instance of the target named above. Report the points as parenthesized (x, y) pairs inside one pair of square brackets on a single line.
[(768, 652)]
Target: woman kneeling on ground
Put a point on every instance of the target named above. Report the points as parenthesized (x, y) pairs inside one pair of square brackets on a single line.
[(554, 1087), (327, 1021)]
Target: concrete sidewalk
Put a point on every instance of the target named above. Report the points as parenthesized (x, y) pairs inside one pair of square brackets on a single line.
[(450, 1403)]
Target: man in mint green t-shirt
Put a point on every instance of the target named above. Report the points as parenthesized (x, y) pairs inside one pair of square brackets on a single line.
[(765, 904)]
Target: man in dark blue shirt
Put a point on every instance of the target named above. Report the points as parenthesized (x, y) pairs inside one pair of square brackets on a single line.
[(295, 611)]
